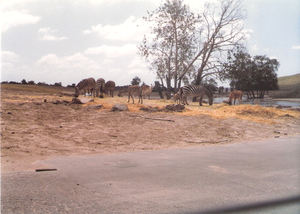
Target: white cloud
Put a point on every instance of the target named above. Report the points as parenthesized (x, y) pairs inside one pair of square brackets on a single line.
[(76, 62), (255, 47), (274, 57), (248, 32), (46, 34), (114, 2), (15, 18), (113, 51), (137, 62), (8, 56), (131, 30), (7, 4), (296, 47)]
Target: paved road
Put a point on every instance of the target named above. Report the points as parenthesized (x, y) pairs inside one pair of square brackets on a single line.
[(168, 181)]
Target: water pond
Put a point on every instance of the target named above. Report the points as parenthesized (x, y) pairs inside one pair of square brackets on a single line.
[(264, 102)]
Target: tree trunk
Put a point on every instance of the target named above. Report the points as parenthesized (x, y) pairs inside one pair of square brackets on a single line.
[(248, 95), (158, 89), (168, 92), (198, 81)]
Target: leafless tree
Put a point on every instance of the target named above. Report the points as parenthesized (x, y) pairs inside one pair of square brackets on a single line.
[(186, 45)]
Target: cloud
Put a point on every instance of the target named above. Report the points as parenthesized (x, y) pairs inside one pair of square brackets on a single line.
[(7, 4), (248, 32), (113, 51), (114, 2), (15, 18), (8, 56), (296, 47), (46, 34), (255, 47), (131, 30), (68, 62)]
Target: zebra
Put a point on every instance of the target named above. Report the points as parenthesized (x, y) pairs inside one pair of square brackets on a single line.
[(110, 87), (135, 89), (86, 84), (100, 87), (195, 91)]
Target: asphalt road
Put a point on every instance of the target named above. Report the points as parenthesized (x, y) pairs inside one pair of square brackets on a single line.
[(167, 181)]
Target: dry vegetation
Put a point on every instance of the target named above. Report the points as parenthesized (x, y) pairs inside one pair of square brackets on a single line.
[(32, 129)]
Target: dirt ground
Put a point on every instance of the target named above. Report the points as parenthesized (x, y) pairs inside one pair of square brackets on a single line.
[(34, 126)]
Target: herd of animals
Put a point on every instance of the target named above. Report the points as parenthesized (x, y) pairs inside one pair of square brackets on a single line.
[(100, 87)]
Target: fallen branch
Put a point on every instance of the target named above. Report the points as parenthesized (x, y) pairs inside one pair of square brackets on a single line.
[(44, 170), (149, 118)]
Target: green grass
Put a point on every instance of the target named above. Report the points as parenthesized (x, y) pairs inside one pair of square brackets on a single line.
[(289, 83), (289, 87), (38, 88)]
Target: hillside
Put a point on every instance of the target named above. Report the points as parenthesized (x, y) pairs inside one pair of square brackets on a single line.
[(37, 88), (289, 87), (289, 83)]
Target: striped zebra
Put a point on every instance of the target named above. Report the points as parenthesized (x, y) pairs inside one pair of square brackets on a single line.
[(100, 87), (195, 91), (86, 85)]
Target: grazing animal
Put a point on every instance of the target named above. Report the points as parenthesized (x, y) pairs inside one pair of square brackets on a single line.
[(86, 85), (147, 91), (235, 95), (195, 91), (110, 87), (177, 97), (100, 87), (135, 89)]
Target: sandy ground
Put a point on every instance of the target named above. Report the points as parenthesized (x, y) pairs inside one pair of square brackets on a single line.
[(33, 130)]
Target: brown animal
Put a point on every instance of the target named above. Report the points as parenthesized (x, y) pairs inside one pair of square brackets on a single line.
[(135, 89), (235, 95), (146, 89), (177, 97), (86, 85), (110, 87), (100, 87)]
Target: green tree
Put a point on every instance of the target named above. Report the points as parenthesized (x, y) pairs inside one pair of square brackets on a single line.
[(211, 84), (135, 81), (254, 75)]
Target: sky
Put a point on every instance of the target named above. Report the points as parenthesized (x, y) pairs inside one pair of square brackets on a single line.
[(68, 40)]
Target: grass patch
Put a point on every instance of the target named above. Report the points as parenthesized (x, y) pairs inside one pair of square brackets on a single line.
[(255, 113), (38, 88), (289, 83)]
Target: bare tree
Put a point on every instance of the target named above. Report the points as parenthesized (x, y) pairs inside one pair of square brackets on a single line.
[(218, 33), (184, 41), (173, 27)]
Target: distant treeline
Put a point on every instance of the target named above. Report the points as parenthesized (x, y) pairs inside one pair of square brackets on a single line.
[(31, 82)]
